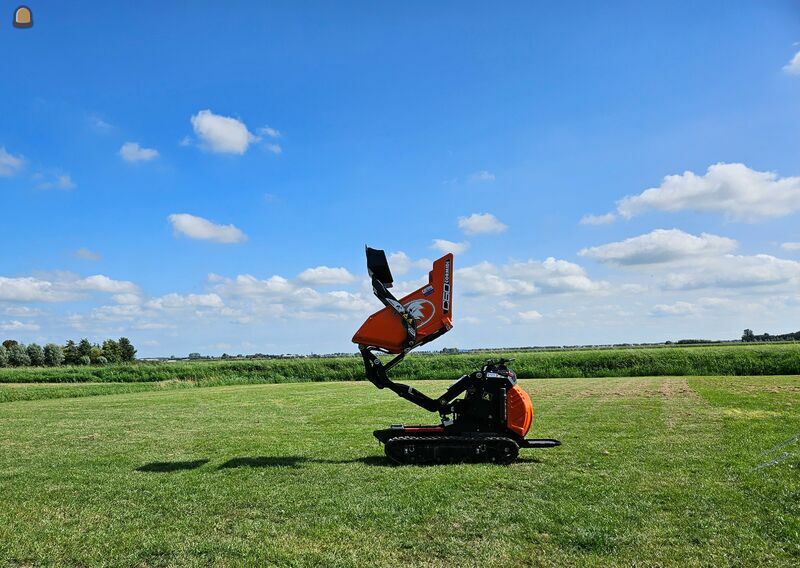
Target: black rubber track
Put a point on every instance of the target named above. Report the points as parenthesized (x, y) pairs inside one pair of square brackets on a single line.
[(430, 450)]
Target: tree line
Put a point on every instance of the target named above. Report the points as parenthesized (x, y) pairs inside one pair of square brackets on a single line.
[(748, 336), (16, 354)]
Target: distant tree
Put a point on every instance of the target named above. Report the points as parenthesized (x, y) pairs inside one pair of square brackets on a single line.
[(195, 356), (126, 350), (71, 354), (35, 354), (17, 356), (53, 355), (9, 343), (84, 360), (95, 353), (102, 360), (85, 348), (111, 351), (748, 335), (3, 356)]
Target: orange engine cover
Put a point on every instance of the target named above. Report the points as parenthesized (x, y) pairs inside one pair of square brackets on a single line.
[(431, 306), (519, 411)]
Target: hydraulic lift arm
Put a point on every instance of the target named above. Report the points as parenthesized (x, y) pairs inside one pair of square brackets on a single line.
[(376, 373)]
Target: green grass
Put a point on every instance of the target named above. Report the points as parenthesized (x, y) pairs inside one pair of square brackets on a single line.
[(653, 472), (738, 359)]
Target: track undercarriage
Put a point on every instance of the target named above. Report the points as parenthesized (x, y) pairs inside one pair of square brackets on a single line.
[(408, 445)]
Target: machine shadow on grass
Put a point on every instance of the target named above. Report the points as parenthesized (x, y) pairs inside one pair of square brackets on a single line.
[(166, 467), (277, 461)]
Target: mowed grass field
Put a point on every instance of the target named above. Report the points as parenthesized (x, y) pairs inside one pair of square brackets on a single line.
[(653, 472)]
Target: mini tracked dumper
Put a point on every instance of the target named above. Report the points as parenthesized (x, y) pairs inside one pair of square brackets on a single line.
[(488, 424)]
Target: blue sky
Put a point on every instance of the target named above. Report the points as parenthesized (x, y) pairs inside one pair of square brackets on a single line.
[(180, 173)]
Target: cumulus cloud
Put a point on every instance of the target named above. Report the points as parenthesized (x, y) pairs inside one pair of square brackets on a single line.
[(661, 245), (202, 229), (793, 67), (486, 279), (679, 308), (127, 299), (132, 152), (61, 181), (102, 283), (63, 289), (736, 191), (10, 164), (530, 315), (449, 246), (222, 134), (323, 275), (277, 296), (598, 219), (401, 263), (736, 271), (482, 175), (269, 132), (481, 223), (176, 301), (550, 276), (98, 124), (248, 285), (554, 276), (790, 246), (85, 254), (22, 311), (29, 289), (16, 325)]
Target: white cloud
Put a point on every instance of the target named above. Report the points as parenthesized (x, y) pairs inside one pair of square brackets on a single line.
[(247, 285), (62, 289), (553, 276), (481, 223), (790, 246), (734, 271), (127, 299), (323, 275), (132, 152), (29, 289), (222, 134), (734, 190), (530, 315), (199, 228), (274, 148), (269, 132), (661, 245), (598, 219), (102, 283), (485, 279), (175, 301), (99, 124), (679, 308), (449, 246), (85, 254), (521, 279), (16, 325), (62, 181), (9, 164), (482, 175), (22, 312), (793, 67), (401, 263)]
